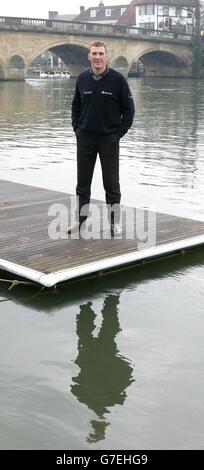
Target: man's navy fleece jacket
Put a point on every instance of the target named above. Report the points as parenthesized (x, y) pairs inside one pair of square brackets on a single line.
[(102, 107)]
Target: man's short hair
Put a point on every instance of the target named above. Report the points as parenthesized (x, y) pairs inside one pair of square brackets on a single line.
[(98, 44)]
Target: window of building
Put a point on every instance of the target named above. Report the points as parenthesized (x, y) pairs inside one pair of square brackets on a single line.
[(108, 12), (146, 9), (167, 23), (93, 13), (178, 11), (142, 10), (146, 25), (166, 11), (149, 9), (122, 11), (189, 29)]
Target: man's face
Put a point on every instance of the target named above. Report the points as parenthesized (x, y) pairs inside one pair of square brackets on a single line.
[(98, 58)]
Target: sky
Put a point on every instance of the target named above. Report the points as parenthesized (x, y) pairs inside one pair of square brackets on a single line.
[(39, 9)]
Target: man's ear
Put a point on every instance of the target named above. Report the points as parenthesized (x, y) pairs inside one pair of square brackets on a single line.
[(89, 57)]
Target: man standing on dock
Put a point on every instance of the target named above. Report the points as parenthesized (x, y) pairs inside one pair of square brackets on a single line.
[(102, 112)]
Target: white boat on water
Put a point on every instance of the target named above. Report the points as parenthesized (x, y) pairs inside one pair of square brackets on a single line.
[(51, 74)]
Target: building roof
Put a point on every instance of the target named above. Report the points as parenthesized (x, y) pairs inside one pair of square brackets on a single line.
[(66, 17), (54, 15), (100, 13)]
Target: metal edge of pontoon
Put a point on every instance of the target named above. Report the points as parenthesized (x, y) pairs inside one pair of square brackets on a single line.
[(51, 279), (22, 271)]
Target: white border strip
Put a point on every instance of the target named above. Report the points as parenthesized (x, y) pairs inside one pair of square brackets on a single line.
[(49, 280), (22, 271), (102, 265)]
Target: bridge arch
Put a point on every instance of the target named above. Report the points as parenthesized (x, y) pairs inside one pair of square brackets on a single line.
[(16, 67), (2, 70), (162, 62), (16, 61), (120, 63), (74, 55)]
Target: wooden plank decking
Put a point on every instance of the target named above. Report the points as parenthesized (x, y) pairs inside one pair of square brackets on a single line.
[(27, 250)]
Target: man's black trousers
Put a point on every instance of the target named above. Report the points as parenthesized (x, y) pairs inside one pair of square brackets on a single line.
[(88, 146)]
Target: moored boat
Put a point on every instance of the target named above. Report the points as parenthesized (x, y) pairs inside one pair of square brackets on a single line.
[(52, 74)]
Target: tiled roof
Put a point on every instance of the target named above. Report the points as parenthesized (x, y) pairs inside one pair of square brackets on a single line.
[(65, 17), (100, 13)]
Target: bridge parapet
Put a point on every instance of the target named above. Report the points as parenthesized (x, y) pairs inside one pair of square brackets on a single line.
[(66, 27)]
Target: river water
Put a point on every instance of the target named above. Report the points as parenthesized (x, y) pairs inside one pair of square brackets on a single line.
[(113, 362)]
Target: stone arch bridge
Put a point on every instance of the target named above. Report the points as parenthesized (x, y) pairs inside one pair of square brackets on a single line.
[(23, 39)]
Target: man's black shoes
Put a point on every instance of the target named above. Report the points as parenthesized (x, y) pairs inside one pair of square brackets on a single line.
[(116, 231), (74, 228)]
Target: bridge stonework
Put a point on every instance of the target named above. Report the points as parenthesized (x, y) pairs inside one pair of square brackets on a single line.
[(19, 48)]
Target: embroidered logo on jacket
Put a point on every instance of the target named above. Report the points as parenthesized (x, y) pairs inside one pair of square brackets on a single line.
[(106, 92)]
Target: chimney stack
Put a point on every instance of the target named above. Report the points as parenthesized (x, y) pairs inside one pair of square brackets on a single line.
[(82, 8), (52, 14), (101, 4)]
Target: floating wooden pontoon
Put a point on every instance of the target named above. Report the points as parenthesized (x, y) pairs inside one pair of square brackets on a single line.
[(27, 250)]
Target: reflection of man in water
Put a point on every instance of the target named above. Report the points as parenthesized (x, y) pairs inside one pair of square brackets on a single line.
[(104, 374)]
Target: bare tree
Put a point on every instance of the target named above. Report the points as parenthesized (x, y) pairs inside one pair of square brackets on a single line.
[(197, 13), (197, 50)]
